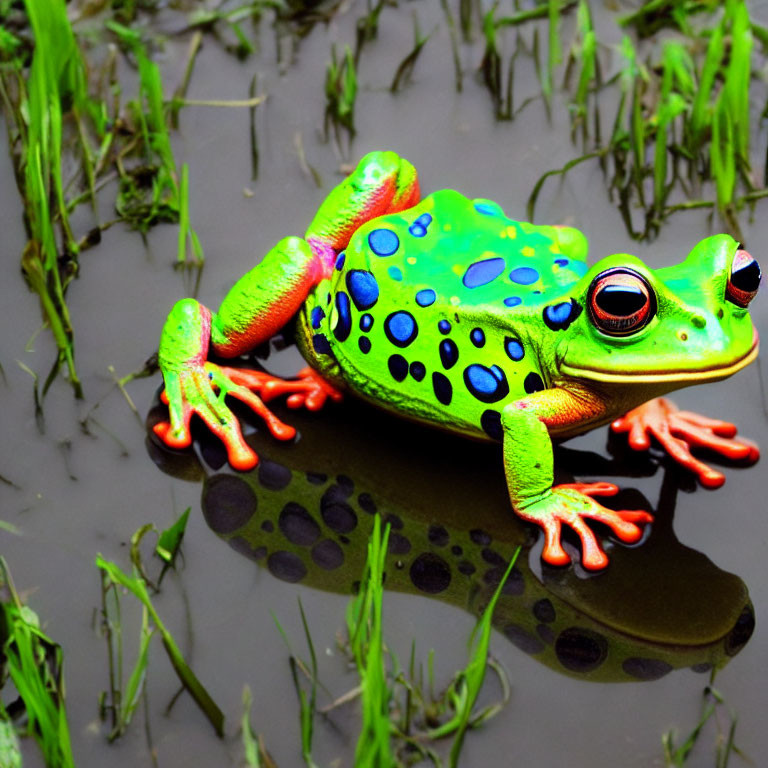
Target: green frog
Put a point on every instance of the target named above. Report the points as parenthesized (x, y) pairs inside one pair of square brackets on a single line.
[(445, 311)]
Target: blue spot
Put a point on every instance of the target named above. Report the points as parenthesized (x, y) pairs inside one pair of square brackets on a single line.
[(344, 324), (327, 298), (419, 227), (395, 273), (484, 272), (444, 327), (365, 344), (524, 275), (383, 242), (317, 316), (489, 385), (320, 344), (488, 209), (401, 328), (398, 367), (363, 288), (442, 388), (418, 371), (557, 317), (477, 337), (561, 262), (426, 297), (490, 421), (512, 301), (533, 383), (340, 260), (514, 349), (366, 323), (449, 353)]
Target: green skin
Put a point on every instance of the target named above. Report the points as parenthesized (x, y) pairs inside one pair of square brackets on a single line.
[(517, 348)]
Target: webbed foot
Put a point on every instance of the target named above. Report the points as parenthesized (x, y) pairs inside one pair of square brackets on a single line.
[(571, 504), (679, 431)]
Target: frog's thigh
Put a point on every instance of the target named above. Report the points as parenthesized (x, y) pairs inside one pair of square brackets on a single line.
[(528, 454), (382, 183)]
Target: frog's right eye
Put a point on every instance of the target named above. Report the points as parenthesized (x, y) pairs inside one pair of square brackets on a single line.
[(744, 279), (621, 302)]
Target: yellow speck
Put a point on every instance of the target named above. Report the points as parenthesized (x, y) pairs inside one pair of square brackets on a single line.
[(554, 248), (527, 251), (503, 233), (511, 231), (447, 227), (455, 300), (457, 269), (411, 260)]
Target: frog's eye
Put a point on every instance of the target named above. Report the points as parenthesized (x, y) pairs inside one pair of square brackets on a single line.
[(744, 279), (621, 302)]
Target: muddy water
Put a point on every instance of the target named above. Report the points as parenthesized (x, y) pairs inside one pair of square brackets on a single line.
[(77, 494)]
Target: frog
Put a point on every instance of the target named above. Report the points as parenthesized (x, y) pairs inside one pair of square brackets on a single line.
[(444, 311)]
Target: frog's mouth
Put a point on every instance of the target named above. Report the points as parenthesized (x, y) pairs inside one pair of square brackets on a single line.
[(712, 373)]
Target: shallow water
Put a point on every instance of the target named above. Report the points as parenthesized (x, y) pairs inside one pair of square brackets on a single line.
[(75, 494)]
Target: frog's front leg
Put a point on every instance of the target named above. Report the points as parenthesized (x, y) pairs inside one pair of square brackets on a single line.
[(679, 431), (528, 463)]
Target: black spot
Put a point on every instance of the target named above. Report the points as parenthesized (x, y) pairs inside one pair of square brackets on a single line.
[(418, 370), (337, 514), (344, 313), (363, 288), (490, 421), (533, 383), (267, 526), (273, 476), (228, 503), (244, 547), (346, 485), (327, 554), (364, 343), (701, 668), (316, 478), (286, 566), (646, 669), (741, 632), (297, 525), (398, 544), (398, 367), (514, 585), (466, 568), (544, 631), (478, 536), (430, 573), (457, 550), (581, 650), (442, 387), (493, 558), (544, 611), (401, 328), (366, 322), (394, 521), (477, 337), (438, 535), (366, 503), (449, 353), (320, 344), (523, 639)]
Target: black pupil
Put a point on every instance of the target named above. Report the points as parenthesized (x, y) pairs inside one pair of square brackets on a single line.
[(747, 278), (621, 300)]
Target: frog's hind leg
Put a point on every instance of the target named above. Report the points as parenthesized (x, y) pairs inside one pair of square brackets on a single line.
[(382, 183)]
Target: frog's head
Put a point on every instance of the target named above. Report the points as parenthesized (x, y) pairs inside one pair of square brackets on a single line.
[(669, 327)]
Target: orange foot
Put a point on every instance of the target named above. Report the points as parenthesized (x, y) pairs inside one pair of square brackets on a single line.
[(679, 431)]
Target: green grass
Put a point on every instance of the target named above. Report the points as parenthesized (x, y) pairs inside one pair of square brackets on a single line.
[(340, 97)]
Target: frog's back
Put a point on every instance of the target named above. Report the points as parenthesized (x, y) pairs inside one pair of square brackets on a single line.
[(429, 311)]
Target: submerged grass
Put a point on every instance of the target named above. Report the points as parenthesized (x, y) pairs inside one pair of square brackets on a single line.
[(34, 664)]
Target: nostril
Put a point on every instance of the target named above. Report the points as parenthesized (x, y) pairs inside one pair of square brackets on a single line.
[(698, 322)]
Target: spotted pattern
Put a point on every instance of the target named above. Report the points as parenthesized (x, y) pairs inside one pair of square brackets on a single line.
[(327, 554), (286, 566), (442, 388), (581, 650), (449, 353), (477, 337), (317, 316), (297, 525), (320, 344), (398, 367), (418, 370), (426, 297), (558, 317), (366, 322), (430, 573), (524, 275), (444, 327), (340, 259), (533, 383), (512, 301), (344, 322), (484, 272), (228, 503), (365, 344), (490, 421), (419, 227), (395, 273), (514, 349), (273, 476)]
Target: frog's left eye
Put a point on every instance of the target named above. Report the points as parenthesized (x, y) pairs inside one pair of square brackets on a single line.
[(621, 302), (744, 279)]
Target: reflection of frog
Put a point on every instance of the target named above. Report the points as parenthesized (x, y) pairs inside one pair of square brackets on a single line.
[(449, 313), (305, 516)]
